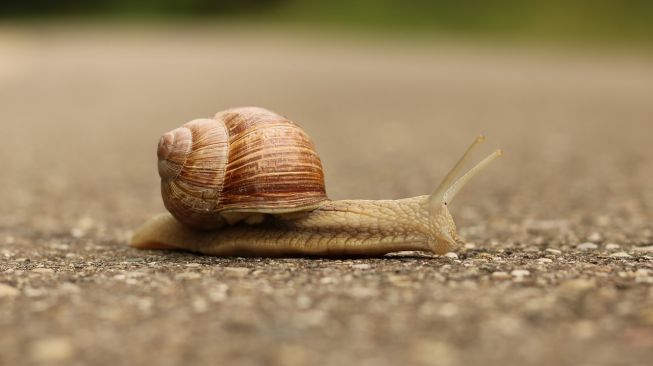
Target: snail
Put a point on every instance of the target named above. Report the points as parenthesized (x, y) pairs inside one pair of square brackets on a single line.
[(249, 182)]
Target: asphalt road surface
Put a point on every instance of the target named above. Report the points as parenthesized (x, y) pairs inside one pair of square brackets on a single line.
[(558, 265)]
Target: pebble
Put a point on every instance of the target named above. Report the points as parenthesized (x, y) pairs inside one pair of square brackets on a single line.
[(69, 287), (84, 225), (236, 271), (642, 272), (52, 350), (304, 302), (77, 233), (553, 251), (327, 280), (645, 249), (360, 266), (595, 237), (200, 305), (500, 275), (218, 293), (612, 246), (620, 255), (43, 270), (363, 292), (643, 279), (587, 246), (8, 291), (400, 280), (520, 273), (188, 276), (448, 310), (451, 255), (579, 284), (544, 260), (145, 304)]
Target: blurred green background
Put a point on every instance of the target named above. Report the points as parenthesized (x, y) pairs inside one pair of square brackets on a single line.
[(599, 21)]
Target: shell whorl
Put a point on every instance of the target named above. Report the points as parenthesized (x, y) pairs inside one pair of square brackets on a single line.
[(172, 152), (243, 160), (192, 171)]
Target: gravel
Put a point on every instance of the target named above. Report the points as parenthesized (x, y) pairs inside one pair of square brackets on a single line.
[(558, 265)]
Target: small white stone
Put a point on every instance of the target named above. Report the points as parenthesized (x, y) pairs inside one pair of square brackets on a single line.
[(499, 275), (451, 255), (200, 305), (69, 287), (644, 249), (218, 293), (612, 246), (236, 271), (553, 251), (448, 310), (304, 302), (520, 273), (59, 246), (363, 292), (595, 237), (84, 225), (360, 266), (587, 246), (544, 260), (578, 284), (644, 279), (400, 280), (135, 274), (43, 270), (77, 233), (327, 280), (620, 255), (188, 276), (8, 291), (145, 304)]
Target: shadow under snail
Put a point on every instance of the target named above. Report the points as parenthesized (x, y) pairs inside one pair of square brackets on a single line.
[(249, 182)]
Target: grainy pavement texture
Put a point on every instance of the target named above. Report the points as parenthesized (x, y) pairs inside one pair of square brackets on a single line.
[(558, 265)]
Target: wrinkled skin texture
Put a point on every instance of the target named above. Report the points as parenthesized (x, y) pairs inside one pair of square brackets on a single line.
[(336, 228)]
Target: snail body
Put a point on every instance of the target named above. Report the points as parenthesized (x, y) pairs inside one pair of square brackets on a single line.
[(249, 182)]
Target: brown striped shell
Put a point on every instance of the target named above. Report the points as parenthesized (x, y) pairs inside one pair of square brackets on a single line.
[(244, 161)]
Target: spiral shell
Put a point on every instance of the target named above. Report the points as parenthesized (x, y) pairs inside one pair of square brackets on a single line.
[(244, 160)]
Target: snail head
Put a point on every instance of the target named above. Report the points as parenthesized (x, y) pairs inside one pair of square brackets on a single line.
[(443, 235)]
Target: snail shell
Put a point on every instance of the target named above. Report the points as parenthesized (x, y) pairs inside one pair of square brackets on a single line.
[(242, 163)]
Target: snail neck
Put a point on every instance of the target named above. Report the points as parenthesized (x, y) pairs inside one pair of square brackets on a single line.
[(376, 226), (396, 220)]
